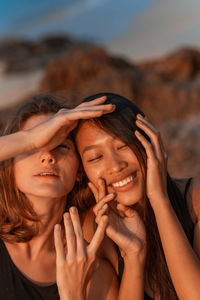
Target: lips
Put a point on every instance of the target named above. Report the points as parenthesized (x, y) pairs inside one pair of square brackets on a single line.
[(47, 172), (124, 182)]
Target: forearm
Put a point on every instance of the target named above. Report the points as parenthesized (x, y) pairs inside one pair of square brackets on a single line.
[(132, 284), (72, 296), (14, 144), (183, 263)]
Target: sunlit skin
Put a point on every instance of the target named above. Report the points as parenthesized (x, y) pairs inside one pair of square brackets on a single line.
[(61, 162), (106, 157)]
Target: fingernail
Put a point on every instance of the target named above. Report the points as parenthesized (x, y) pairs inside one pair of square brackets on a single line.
[(139, 116), (66, 216), (109, 195), (73, 209), (137, 132), (57, 227)]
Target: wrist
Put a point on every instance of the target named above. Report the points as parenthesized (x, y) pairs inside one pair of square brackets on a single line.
[(135, 258), (24, 140), (72, 296), (161, 201), (135, 266)]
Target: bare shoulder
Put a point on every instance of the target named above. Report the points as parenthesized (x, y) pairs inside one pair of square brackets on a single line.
[(192, 196), (88, 224), (104, 283), (195, 195)]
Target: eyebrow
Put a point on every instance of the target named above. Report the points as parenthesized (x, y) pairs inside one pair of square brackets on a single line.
[(89, 148)]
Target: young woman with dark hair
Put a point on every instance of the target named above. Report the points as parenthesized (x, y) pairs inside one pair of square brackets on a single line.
[(153, 220), (38, 176)]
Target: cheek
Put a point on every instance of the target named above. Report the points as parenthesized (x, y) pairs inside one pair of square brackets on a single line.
[(70, 166), (20, 175), (93, 173)]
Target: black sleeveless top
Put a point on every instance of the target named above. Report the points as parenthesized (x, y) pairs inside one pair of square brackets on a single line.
[(120, 259), (15, 286)]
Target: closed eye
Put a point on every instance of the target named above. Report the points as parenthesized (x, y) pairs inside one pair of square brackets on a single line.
[(63, 146), (122, 147), (95, 158)]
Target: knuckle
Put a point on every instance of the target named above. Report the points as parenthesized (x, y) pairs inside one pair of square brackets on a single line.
[(156, 162), (92, 257), (81, 259), (70, 239), (79, 233), (71, 262)]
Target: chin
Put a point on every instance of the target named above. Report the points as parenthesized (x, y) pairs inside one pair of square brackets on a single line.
[(128, 199), (127, 202)]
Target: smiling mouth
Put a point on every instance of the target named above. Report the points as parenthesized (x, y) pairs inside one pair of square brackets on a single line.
[(123, 182)]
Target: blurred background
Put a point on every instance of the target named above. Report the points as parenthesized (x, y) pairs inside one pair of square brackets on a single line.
[(146, 50)]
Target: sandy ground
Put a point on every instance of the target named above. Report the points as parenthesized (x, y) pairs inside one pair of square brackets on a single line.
[(15, 87)]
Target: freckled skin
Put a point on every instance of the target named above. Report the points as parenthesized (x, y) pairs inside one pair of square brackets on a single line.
[(106, 157)]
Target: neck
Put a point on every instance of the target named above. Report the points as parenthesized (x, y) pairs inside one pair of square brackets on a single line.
[(50, 212)]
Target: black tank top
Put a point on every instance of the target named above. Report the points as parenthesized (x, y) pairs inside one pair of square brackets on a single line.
[(15, 286)]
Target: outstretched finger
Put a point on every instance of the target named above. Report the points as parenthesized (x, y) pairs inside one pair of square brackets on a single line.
[(96, 101), (94, 190), (105, 107), (101, 203), (70, 237), (101, 188), (60, 251), (147, 146), (101, 212), (154, 136), (98, 236), (80, 246), (146, 121)]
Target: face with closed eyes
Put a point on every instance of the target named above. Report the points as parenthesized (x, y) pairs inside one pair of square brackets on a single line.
[(104, 156), (46, 174)]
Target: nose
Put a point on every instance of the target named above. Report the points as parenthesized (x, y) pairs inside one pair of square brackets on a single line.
[(116, 164), (47, 158)]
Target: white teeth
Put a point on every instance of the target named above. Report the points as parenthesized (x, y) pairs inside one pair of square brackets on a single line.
[(123, 182), (47, 174)]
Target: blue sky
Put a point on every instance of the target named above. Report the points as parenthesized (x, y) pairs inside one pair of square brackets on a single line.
[(99, 20)]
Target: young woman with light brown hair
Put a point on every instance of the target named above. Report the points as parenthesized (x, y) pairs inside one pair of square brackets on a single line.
[(38, 178)]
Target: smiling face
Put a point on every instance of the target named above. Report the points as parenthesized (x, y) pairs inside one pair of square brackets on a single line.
[(107, 157), (46, 174)]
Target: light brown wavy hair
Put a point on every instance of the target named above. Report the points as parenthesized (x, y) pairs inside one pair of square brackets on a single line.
[(18, 220), (121, 124)]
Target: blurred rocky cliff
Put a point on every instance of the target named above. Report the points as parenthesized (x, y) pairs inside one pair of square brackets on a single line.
[(166, 89)]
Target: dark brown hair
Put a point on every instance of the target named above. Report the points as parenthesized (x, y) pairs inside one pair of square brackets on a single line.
[(16, 212), (121, 124)]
